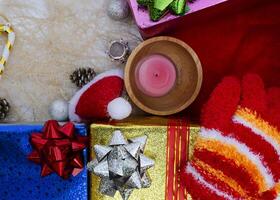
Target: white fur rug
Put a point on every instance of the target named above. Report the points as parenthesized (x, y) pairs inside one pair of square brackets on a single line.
[(53, 37)]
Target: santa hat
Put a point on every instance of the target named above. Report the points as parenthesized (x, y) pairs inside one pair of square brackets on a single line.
[(100, 98)]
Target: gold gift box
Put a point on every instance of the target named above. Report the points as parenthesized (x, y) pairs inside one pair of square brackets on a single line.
[(156, 148)]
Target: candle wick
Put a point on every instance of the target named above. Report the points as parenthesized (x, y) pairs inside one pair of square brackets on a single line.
[(156, 74)]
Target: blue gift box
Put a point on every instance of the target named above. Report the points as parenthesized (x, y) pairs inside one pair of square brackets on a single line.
[(20, 178)]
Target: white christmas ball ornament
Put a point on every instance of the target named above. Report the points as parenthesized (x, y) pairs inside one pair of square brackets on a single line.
[(119, 108), (58, 110), (118, 9)]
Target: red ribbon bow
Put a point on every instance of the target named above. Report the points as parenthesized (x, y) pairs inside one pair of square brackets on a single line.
[(58, 149)]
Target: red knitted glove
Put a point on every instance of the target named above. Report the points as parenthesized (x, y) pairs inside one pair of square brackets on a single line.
[(237, 154)]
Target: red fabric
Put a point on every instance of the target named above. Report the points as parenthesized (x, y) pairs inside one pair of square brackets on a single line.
[(271, 194), (224, 100), (249, 93), (218, 111), (273, 115), (213, 180), (220, 108), (260, 147), (229, 168), (94, 101), (197, 190), (254, 94), (236, 43)]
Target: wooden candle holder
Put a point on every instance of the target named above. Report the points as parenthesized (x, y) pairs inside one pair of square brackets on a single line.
[(188, 82)]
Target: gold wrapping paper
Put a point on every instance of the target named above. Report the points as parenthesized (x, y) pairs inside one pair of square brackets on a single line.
[(156, 130)]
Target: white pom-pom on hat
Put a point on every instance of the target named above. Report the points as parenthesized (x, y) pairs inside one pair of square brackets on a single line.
[(119, 108)]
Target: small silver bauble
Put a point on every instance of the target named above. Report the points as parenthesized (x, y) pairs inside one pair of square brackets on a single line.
[(118, 9), (58, 110)]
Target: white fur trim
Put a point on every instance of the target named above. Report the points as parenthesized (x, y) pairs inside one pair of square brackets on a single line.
[(238, 120), (242, 149), (119, 108), (191, 170), (74, 101)]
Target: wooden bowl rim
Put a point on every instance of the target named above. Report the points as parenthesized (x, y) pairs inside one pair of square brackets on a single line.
[(129, 63)]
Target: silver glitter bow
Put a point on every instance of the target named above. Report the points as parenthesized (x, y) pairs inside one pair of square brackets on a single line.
[(121, 165)]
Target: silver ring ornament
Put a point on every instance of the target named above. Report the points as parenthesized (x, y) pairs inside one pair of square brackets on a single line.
[(118, 50)]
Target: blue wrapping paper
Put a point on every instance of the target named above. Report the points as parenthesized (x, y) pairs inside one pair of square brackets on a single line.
[(20, 178)]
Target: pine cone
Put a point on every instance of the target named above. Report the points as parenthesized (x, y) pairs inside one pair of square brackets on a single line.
[(82, 76), (4, 108)]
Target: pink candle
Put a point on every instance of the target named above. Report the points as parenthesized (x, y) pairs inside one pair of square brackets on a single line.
[(155, 75)]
